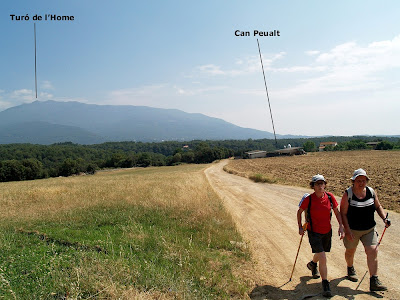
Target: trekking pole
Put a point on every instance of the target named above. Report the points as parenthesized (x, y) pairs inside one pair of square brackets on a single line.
[(383, 231), (361, 280), (301, 239)]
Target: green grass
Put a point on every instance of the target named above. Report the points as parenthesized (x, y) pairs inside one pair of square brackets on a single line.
[(123, 250)]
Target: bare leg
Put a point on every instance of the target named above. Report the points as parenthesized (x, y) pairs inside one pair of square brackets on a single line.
[(349, 256), (372, 259), (323, 269)]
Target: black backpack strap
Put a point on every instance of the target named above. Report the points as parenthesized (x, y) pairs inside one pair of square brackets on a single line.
[(330, 199)]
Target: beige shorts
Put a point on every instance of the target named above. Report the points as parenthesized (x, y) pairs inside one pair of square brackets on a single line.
[(368, 238)]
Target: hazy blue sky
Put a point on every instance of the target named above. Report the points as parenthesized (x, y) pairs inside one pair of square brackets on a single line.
[(334, 69)]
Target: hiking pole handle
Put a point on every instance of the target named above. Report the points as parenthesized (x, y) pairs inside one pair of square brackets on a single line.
[(305, 226), (386, 220)]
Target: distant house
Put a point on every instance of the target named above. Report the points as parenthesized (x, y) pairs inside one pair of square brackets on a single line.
[(186, 147), (322, 145), (256, 154), (372, 144)]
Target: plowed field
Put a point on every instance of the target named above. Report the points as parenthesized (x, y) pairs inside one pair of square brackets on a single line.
[(383, 168)]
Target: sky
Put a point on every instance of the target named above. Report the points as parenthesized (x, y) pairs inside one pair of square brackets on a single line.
[(333, 70)]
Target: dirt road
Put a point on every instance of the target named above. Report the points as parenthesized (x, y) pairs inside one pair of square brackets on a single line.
[(265, 214)]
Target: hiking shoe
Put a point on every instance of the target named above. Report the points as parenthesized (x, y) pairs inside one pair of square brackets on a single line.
[(326, 288), (375, 284), (351, 274), (314, 269)]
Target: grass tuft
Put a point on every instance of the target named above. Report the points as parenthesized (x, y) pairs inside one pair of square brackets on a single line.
[(261, 178)]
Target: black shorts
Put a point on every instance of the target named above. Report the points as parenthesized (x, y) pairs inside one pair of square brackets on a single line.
[(320, 242)]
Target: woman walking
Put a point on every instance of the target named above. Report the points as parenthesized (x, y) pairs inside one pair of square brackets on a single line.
[(318, 208), (358, 206)]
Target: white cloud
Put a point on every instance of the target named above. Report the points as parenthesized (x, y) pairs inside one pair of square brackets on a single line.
[(138, 92), (26, 95), (348, 67), (245, 66), (4, 105), (150, 95), (161, 95), (303, 69), (194, 91), (340, 66), (68, 99), (18, 97), (45, 96), (23, 95), (212, 70), (312, 52), (46, 85)]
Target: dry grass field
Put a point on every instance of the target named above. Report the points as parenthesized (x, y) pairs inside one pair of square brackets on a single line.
[(177, 188), (383, 167), (145, 233)]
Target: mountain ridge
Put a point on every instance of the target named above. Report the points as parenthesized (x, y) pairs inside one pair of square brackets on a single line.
[(116, 123)]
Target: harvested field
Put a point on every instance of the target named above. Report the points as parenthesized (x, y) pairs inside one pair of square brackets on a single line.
[(383, 167)]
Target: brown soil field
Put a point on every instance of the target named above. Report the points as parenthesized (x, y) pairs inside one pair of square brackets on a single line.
[(383, 168)]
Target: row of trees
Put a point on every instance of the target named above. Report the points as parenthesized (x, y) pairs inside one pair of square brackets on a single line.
[(29, 169), (358, 144), (28, 161), (68, 159), (26, 169)]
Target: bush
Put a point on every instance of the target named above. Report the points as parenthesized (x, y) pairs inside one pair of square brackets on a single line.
[(68, 168), (309, 146), (261, 178), (384, 145)]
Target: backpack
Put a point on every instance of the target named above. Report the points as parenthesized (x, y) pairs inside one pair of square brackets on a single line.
[(308, 215), (350, 193)]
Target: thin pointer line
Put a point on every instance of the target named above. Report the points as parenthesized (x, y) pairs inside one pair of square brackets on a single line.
[(266, 89), (34, 26)]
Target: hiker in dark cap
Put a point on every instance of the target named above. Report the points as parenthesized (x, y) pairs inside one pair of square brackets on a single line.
[(358, 206), (318, 208)]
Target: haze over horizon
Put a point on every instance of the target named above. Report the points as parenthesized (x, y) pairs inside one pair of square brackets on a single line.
[(333, 69)]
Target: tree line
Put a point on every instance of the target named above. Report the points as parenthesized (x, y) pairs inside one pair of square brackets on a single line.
[(27, 161), (31, 161), (357, 144)]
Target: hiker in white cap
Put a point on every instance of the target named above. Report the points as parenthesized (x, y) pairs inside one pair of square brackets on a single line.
[(318, 210), (358, 206)]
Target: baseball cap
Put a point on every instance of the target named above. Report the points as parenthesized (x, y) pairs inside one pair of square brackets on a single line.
[(317, 177)]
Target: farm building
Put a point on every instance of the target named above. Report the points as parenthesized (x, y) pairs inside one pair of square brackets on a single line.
[(291, 151), (285, 151), (256, 154), (322, 145), (372, 144)]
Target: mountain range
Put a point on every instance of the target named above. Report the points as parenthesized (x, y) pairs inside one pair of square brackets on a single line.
[(47, 122)]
